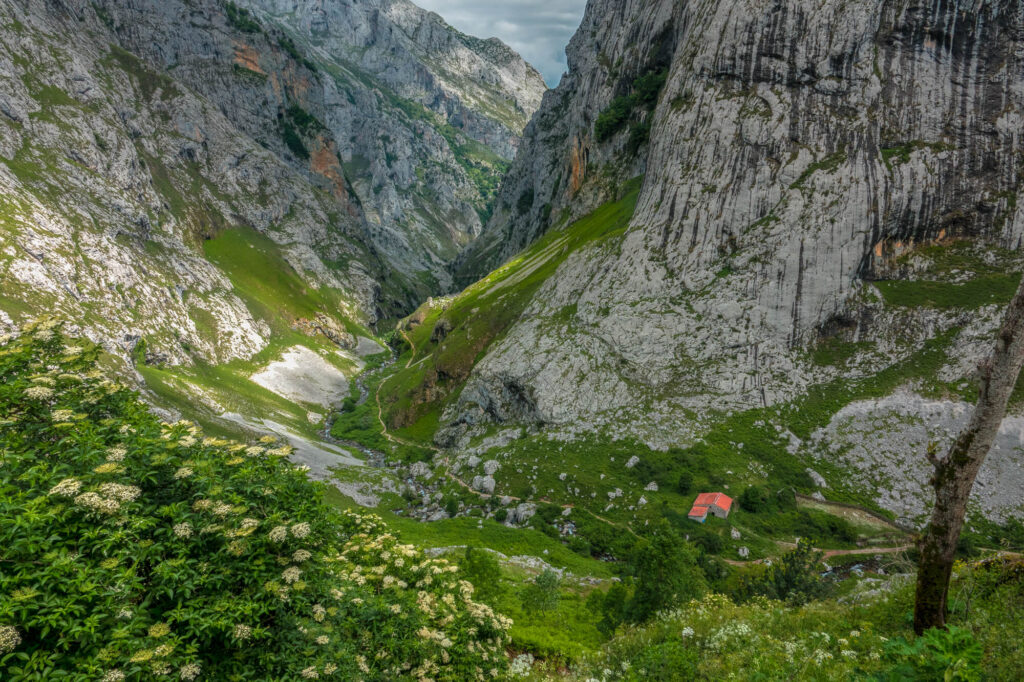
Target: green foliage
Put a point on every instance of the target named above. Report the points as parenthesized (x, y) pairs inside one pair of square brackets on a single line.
[(829, 164), (950, 654), (685, 484), (664, 662), (992, 289), (542, 594), (666, 573), (289, 47), (755, 499), (241, 19), (133, 549), (481, 568), (612, 607), (294, 141), (643, 95), (794, 578)]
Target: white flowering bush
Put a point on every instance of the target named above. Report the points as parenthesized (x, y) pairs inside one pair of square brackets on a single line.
[(132, 549)]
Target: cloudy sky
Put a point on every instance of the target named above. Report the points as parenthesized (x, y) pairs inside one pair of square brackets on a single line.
[(537, 29)]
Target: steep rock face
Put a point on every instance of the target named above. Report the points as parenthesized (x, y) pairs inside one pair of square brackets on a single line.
[(798, 152), (429, 117), (136, 131), (114, 172)]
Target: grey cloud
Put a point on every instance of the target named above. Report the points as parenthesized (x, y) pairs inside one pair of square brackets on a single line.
[(537, 29)]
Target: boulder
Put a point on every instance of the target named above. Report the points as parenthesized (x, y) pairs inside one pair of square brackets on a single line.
[(484, 484)]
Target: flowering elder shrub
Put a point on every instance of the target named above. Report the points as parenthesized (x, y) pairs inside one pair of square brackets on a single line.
[(133, 549)]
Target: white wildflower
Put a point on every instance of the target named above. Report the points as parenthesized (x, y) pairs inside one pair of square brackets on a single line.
[(291, 574), (38, 392), (190, 671), (243, 632), (183, 472), (9, 638), (300, 556), (300, 530), (183, 530), (278, 534), (69, 487)]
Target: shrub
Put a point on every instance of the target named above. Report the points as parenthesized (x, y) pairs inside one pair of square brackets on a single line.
[(794, 578), (666, 573), (542, 593), (501, 515), (241, 19), (685, 484), (134, 549), (951, 654), (755, 499)]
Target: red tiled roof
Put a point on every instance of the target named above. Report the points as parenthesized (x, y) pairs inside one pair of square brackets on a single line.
[(698, 510), (720, 500)]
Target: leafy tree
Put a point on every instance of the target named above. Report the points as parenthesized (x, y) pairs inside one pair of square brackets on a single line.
[(133, 549), (483, 571), (451, 507), (795, 578), (685, 485), (666, 573), (755, 499), (542, 594), (611, 606)]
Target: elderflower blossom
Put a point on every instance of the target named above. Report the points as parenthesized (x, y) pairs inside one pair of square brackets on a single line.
[(243, 632), (278, 534), (113, 676), (254, 450), (190, 671), (159, 630), (291, 574), (310, 673), (222, 509), (38, 392), (300, 530), (319, 613), (116, 454), (122, 493), (97, 503), (300, 556), (323, 639), (108, 468), (361, 662), (183, 472), (62, 415), (9, 639), (183, 530), (69, 487), (282, 451)]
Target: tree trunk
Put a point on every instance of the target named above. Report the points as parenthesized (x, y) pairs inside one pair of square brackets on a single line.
[(954, 475)]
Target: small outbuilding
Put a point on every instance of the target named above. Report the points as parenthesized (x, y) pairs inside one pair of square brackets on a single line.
[(718, 504)]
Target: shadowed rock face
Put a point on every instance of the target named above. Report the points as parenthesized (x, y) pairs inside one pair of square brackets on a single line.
[(797, 150), (429, 118)]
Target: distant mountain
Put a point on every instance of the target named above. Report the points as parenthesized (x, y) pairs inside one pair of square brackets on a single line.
[(207, 177)]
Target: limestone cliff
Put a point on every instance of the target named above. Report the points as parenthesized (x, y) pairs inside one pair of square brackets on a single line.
[(827, 188), (153, 155)]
